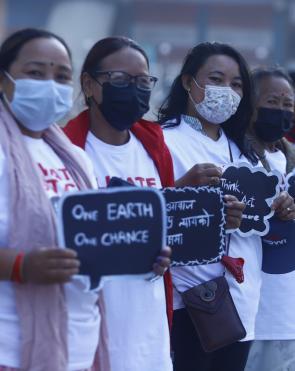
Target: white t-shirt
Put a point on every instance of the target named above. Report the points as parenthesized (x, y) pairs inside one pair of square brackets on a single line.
[(135, 308), (276, 316), (189, 147), (83, 313), (277, 161)]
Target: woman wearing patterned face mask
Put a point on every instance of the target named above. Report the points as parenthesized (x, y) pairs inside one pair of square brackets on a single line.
[(275, 322), (117, 86), (49, 317), (205, 118)]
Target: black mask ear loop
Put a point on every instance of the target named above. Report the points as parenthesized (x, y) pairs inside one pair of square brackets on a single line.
[(95, 79), (90, 98)]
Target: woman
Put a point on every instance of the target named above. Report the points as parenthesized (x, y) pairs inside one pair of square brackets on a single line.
[(49, 318), (274, 98), (117, 85), (275, 323), (205, 119)]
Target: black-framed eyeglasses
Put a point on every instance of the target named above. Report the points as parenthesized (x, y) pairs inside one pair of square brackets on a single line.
[(121, 79)]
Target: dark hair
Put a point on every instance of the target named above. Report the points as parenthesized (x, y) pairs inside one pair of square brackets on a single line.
[(105, 47), (262, 73), (11, 47), (176, 102)]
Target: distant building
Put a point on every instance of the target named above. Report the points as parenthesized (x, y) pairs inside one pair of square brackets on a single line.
[(261, 29)]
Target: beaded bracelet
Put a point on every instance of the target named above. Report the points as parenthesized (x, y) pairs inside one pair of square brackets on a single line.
[(16, 273)]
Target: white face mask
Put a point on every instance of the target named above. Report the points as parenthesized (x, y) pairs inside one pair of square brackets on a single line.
[(37, 104), (219, 103)]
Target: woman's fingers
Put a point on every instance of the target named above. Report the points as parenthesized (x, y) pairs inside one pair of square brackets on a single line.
[(160, 267), (163, 261), (63, 263), (46, 266), (200, 175), (166, 251), (234, 212), (284, 206)]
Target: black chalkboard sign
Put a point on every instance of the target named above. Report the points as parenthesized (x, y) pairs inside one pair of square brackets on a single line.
[(195, 225), (290, 184), (114, 230), (257, 189), (279, 247)]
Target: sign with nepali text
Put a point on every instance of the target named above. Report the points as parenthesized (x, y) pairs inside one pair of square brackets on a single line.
[(195, 225)]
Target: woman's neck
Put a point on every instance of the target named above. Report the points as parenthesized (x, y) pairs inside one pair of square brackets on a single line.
[(211, 130), (29, 133), (100, 128)]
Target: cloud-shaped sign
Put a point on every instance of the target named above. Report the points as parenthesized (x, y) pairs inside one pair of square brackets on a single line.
[(257, 189)]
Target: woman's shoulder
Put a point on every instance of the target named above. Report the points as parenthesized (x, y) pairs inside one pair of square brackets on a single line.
[(172, 123), (2, 161), (88, 166), (149, 132), (252, 140), (77, 128), (148, 125), (80, 152), (288, 150), (2, 155)]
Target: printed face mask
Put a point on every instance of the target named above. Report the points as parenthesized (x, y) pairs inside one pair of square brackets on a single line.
[(37, 104), (219, 103), (272, 124), (122, 107)]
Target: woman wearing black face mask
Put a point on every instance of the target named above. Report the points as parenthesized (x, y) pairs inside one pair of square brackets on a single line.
[(117, 86), (275, 323), (273, 119)]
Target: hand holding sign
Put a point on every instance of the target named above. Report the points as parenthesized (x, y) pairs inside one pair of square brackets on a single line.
[(163, 261), (234, 212), (284, 206), (256, 189), (49, 265), (114, 231), (200, 175)]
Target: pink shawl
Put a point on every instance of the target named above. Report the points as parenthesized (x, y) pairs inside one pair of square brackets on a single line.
[(41, 308)]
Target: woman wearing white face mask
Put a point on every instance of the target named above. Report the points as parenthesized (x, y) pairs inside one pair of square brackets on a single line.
[(49, 318), (205, 119)]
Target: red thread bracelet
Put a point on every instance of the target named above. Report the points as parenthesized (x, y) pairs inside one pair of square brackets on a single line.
[(16, 273)]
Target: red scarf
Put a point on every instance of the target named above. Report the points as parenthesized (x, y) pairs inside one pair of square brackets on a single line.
[(151, 137)]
